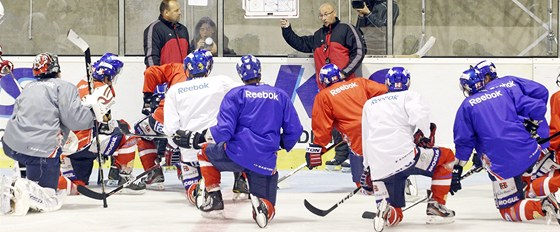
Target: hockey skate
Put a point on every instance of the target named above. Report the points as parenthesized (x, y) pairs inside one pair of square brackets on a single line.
[(333, 165), (438, 213), (136, 187), (113, 178), (381, 215), (213, 205), (154, 180), (345, 166), (240, 188), (263, 211), (551, 208)]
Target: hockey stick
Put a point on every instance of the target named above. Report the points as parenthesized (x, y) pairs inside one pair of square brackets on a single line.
[(371, 215), (544, 140), (303, 165), (82, 44), (102, 196), (126, 131), (322, 213)]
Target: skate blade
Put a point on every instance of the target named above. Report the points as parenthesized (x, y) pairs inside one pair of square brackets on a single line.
[(214, 214), (240, 196), (155, 186), (126, 191), (331, 168), (439, 220), (346, 170)]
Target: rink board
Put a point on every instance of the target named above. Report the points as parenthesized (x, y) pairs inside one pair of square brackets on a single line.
[(435, 78)]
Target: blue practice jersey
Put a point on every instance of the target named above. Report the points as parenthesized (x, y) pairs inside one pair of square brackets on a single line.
[(490, 121), (254, 121), (522, 86)]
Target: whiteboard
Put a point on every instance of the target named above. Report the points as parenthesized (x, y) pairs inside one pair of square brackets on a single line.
[(271, 8)]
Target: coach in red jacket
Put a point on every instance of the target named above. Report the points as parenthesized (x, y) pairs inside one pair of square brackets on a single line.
[(166, 40), (336, 42)]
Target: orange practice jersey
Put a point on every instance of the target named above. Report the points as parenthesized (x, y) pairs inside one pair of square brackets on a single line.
[(340, 105), (155, 75)]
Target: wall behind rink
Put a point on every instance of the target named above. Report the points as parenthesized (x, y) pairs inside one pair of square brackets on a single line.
[(436, 79)]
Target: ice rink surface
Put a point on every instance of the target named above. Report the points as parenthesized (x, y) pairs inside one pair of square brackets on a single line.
[(169, 211)]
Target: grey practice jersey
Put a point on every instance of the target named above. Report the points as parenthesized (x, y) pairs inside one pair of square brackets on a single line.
[(43, 115)]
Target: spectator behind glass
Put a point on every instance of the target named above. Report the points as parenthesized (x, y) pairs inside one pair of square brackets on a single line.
[(372, 21), (204, 29)]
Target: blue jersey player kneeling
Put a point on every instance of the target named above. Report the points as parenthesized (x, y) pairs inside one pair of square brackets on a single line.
[(254, 120)]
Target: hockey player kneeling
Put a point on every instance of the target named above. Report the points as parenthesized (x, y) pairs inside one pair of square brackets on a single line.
[(394, 153), (254, 120), (506, 158), (183, 114), (36, 142)]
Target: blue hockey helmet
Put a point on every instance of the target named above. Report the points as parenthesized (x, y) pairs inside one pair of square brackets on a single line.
[(329, 74), (471, 81), (107, 66), (397, 79), (249, 68), (486, 67), (199, 63)]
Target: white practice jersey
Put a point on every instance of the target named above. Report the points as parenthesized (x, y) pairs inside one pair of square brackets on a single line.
[(388, 125), (194, 104)]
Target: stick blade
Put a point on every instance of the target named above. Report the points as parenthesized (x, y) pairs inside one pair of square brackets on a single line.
[(77, 40), (315, 210), (424, 49), (368, 215), (90, 193)]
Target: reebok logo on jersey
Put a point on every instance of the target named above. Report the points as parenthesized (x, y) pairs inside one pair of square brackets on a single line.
[(486, 96), (508, 84), (272, 96), (384, 98), (193, 88), (342, 88)]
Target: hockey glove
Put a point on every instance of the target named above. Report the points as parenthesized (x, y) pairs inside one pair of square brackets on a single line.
[(200, 138), (182, 138), (531, 126), (365, 182), (146, 110), (426, 142), (456, 179), (6, 67), (477, 161), (313, 155)]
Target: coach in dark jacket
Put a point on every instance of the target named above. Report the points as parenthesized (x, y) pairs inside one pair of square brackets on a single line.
[(336, 42), (166, 40)]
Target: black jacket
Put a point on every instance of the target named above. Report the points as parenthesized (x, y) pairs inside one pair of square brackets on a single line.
[(165, 42)]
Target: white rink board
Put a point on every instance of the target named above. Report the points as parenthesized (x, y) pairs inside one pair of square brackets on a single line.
[(435, 78)]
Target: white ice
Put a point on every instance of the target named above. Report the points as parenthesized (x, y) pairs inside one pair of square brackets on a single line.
[(169, 211)]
